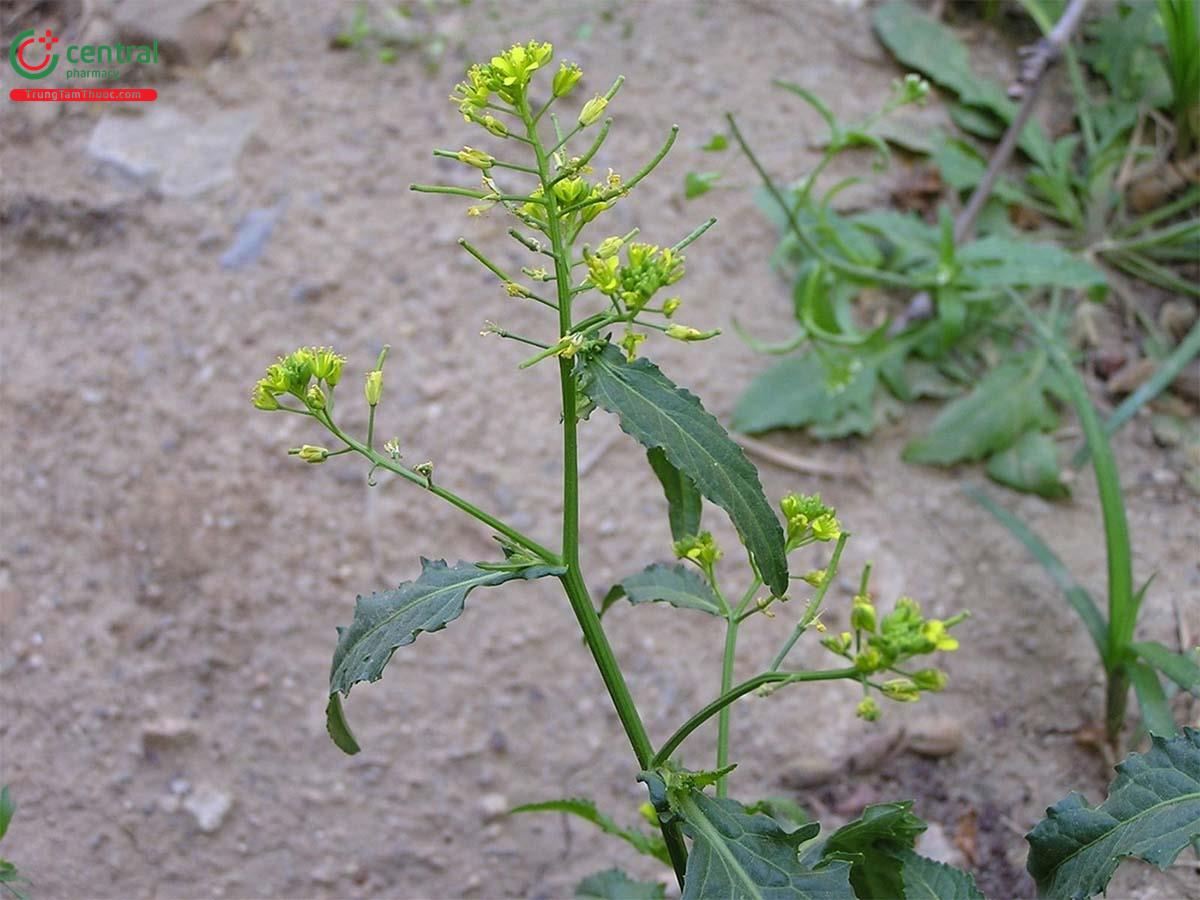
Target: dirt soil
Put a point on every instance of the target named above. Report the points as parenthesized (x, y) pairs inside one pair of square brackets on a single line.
[(170, 580)]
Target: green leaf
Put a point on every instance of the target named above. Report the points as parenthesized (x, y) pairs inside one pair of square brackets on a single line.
[(928, 879), (1179, 667), (788, 813), (997, 262), (390, 619), (1077, 595), (977, 122), (696, 184), (338, 727), (1152, 813), (735, 855), (924, 44), (716, 143), (7, 809), (613, 884), (1156, 712), (657, 413), (795, 393), (684, 503), (872, 841), (1031, 464), (678, 585), (1006, 402), (648, 844)]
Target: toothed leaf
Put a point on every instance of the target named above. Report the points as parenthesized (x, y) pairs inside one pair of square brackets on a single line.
[(657, 413)]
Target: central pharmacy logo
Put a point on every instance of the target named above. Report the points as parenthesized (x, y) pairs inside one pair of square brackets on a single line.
[(22, 43)]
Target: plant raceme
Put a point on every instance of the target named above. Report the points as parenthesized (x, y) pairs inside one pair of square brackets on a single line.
[(604, 301)]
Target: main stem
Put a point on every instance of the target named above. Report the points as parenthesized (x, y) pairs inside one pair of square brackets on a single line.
[(731, 633), (572, 579)]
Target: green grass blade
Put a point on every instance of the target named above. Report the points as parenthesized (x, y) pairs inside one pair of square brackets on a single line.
[(1081, 601), (1179, 667), (1181, 357), (1156, 712)]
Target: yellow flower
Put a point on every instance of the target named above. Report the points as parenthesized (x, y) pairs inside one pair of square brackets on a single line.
[(934, 631), (602, 273), (826, 528)]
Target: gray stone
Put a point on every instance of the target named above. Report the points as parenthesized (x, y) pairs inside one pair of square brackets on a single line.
[(189, 32), (252, 235), (164, 149), (208, 806)]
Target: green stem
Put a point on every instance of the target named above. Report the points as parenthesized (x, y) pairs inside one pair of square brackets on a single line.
[(386, 462), (572, 579), (741, 690), (814, 605), (731, 633)]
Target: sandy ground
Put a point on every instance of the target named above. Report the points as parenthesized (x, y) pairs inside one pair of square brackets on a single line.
[(162, 559)]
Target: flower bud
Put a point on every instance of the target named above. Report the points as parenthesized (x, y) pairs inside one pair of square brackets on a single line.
[(700, 549), (868, 710), (901, 690), (565, 78), (670, 305), (315, 398), (494, 125), (929, 679), (869, 660), (373, 389), (592, 110), (310, 454), (839, 643), (609, 247), (862, 615), (262, 398), (815, 578), (629, 343), (687, 333), (477, 158)]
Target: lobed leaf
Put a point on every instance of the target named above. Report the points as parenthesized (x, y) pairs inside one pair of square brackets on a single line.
[(735, 855), (390, 619), (678, 585), (928, 879), (684, 503), (1152, 813), (870, 843), (657, 413), (613, 884)]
